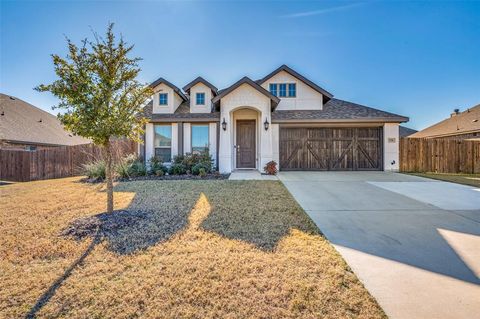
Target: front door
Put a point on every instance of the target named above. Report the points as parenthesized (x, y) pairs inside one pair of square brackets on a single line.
[(245, 144)]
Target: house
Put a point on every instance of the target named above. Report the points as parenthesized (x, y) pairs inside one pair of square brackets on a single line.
[(405, 131), (26, 127), (460, 125), (283, 117)]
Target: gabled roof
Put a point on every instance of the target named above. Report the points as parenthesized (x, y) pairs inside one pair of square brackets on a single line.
[(187, 87), (336, 110), (181, 114), (24, 123), (172, 86), (462, 123), (246, 80), (298, 76)]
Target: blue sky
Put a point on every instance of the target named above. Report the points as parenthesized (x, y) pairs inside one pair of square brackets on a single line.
[(420, 59)]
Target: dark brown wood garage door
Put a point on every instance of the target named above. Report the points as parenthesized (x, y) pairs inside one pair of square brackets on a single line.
[(349, 149)]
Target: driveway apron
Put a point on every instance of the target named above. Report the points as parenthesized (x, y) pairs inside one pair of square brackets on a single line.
[(413, 242)]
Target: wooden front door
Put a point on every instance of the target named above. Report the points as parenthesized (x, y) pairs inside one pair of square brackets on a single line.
[(245, 145)]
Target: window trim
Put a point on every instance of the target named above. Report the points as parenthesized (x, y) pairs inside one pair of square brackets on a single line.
[(191, 134), (166, 99), (164, 147), (196, 98)]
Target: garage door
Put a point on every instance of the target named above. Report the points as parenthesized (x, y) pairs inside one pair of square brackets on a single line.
[(331, 148)]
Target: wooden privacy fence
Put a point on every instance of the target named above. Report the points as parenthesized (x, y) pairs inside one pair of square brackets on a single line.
[(439, 155), (63, 161)]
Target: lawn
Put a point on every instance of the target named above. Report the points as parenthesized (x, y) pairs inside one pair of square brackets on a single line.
[(175, 249), (465, 179)]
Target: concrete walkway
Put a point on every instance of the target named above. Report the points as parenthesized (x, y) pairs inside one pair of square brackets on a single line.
[(413, 242)]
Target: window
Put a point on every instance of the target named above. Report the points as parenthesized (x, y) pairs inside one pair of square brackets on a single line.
[(163, 99), (200, 98), (273, 89), (199, 138), (30, 148), (163, 142), (292, 90), (283, 90)]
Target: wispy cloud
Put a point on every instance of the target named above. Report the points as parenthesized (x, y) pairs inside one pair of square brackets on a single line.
[(323, 11)]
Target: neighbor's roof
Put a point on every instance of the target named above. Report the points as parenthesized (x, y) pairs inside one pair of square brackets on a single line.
[(174, 87), (22, 122), (336, 110), (406, 131), (465, 122), (246, 80), (298, 76), (181, 114), (212, 87)]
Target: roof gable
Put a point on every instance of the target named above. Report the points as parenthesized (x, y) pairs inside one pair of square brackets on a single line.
[(298, 76), (172, 86), (246, 80), (199, 79)]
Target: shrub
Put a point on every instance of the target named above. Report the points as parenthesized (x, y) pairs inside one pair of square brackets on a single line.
[(95, 169), (190, 160), (130, 166), (156, 165), (271, 168), (178, 169), (200, 166), (202, 172), (160, 172)]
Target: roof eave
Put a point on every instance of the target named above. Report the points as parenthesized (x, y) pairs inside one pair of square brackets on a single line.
[(340, 120)]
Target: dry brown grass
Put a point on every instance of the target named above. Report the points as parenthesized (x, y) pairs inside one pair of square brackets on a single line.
[(210, 249)]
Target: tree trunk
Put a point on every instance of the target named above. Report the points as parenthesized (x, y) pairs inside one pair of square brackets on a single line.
[(109, 176)]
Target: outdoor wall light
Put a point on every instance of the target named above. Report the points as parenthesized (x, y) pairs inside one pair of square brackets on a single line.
[(224, 125), (266, 124)]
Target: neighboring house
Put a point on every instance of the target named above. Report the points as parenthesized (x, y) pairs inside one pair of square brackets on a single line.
[(460, 125), (26, 127), (406, 131), (282, 117)]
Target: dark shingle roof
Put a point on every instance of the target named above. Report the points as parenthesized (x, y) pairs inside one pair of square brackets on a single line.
[(22, 122), (298, 76), (405, 131), (182, 113), (246, 80), (171, 85), (212, 87), (336, 110)]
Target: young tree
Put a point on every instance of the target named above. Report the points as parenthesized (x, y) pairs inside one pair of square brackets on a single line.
[(99, 94)]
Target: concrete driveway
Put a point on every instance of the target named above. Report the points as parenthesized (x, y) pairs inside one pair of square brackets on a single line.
[(413, 242)]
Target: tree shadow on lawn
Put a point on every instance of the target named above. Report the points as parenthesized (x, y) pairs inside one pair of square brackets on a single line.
[(257, 213)]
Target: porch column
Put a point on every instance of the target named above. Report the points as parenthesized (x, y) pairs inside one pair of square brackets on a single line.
[(266, 149)]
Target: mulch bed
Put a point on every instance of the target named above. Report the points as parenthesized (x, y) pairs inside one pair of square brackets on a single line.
[(162, 178)]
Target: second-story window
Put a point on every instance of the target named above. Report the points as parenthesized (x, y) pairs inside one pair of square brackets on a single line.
[(200, 98), (282, 90), (292, 90), (163, 99), (273, 89)]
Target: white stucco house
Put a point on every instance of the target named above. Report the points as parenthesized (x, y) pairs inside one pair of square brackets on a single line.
[(282, 117)]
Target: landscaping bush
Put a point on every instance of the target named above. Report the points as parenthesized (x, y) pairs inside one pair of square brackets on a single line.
[(200, 166), (130, 166), (271, 168), (178, 169), (95, 170), (191, 163), (156, 165), (202, 172)]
